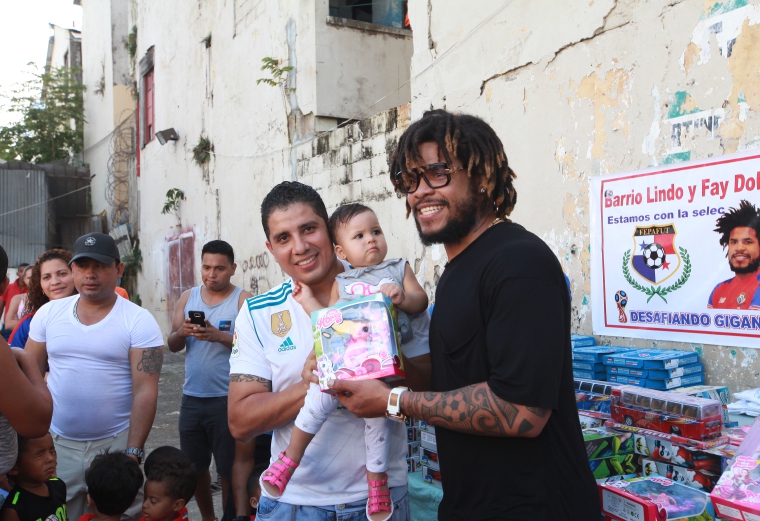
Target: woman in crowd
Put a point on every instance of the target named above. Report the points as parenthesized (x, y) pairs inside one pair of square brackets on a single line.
[(15, 311), (51, 279)]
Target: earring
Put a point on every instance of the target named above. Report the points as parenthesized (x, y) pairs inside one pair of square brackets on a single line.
[(482, 190)]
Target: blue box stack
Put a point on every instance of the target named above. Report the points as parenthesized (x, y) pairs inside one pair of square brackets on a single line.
[(588, 358), (654, 368)]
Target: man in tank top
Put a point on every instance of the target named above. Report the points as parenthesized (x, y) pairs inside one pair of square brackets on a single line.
[(203, 428)]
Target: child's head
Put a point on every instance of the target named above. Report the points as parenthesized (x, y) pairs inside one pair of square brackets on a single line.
[(161, 454), (253, 486), (170, 483), (113, 481), (36, 460), (357, 235)]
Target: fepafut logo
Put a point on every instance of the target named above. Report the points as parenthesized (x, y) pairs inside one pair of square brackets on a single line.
[(333, 316), (655, 260)]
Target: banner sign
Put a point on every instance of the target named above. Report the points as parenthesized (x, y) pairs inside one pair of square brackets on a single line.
[(659, 270)]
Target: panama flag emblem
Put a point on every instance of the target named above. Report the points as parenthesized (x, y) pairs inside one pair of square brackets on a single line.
[(655, 258)]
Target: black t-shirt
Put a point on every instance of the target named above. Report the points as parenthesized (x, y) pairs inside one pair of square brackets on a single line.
[(31, 507), (502, 316)]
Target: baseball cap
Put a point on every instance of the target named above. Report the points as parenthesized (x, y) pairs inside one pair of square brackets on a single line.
[(98, 246)]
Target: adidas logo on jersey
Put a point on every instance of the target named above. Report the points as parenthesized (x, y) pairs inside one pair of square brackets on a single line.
[(287, 345)]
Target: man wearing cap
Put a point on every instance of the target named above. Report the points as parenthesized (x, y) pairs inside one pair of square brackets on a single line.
[(105, 355)]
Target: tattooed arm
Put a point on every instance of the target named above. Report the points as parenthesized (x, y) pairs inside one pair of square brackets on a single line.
[(146, 369), (254, 409), (474, 409)]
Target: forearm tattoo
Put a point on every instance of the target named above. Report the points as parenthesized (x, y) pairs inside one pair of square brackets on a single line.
[(235, 377), (151, 361), (474, 409)]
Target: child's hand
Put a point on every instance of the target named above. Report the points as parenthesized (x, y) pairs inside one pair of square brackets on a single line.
[(393, 292), (301, 292)]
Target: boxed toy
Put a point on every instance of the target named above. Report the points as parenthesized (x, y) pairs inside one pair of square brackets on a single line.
[(691, 478), (413, 464), (601, 443), (582, 341), (357, 340), (661, 385), (653, 499), (430, 458), (719, 393), (412, 448), (431, 476), (618, 465), (667, 451), (424, 427), (412, 434), (737, 494), (591, 420), (655, 374), (589, 375), (597, 353), (652, 358), (429, 441), (591, 367)]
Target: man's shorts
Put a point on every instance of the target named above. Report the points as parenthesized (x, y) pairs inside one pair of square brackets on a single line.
[(203, 431)]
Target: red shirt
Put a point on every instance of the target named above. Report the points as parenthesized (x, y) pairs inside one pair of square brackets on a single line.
[(11, 291), (181, 515), (736, 294)]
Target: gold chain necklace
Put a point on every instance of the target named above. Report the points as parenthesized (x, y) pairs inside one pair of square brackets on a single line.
[(497, 221)]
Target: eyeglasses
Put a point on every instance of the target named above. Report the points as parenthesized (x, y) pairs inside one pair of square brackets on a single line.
[(436, 175)]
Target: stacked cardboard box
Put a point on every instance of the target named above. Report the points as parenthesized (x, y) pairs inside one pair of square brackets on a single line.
[(431, 470)]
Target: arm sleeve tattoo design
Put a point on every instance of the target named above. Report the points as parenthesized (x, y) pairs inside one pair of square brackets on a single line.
[(151, 361), (474, 409), (235, 377)]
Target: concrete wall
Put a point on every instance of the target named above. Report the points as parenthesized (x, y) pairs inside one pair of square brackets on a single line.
[(595, 88)]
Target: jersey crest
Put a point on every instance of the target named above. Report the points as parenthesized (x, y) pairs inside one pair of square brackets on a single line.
[(281, 323), (741, 298)]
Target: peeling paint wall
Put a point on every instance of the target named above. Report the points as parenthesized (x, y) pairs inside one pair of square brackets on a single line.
[(595, 88)]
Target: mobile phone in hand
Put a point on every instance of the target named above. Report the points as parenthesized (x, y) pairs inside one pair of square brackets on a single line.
[(197, 317)]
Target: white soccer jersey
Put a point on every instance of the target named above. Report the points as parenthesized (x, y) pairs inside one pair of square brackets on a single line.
[(273, 337)]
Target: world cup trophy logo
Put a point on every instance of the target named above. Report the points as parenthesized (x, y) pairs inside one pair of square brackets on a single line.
[(621, 299)]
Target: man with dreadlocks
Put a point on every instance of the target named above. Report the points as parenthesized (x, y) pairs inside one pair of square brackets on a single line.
[(502, 398), (739, 229)]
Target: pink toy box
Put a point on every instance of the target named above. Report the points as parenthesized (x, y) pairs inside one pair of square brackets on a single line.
[(737, 494), (357, 340), (653, 499)]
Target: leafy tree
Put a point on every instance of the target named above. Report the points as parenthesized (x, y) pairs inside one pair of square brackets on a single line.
[(52, 118)]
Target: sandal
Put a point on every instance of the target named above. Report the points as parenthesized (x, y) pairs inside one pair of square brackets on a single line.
[(379, 501), (277, 474)]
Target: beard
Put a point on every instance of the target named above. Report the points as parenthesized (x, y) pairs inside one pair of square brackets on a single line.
[(463, 220), (752, 267)]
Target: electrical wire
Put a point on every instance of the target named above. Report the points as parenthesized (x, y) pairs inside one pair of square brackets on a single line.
[(44, 202)]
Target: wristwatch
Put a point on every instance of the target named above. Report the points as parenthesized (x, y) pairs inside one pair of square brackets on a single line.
[(134, 451), (393, 411)]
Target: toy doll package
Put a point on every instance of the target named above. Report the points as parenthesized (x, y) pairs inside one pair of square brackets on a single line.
[(737, 494), (653, 499), (357, 340)]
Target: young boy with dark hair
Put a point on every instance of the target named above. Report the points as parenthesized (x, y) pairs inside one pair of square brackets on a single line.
[(254, 488), (36, 493), (113, 481), (170, 483)]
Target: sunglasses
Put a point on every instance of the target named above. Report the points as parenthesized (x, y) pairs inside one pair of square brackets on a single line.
[(436, 175)]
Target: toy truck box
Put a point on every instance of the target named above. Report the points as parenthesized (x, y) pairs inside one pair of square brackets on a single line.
[(431, 476), (589, 375), (703, 481), (591, 367), (652, 358), (669, 452), (601, 443), (719, 393), (654, 498), (430, 458), (582, 341), (654, 374), (597, 353), (737, 494), (591, 420), (357, 340), (662, 385)]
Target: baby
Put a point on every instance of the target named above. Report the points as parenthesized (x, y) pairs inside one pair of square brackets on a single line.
[(359, 240)]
